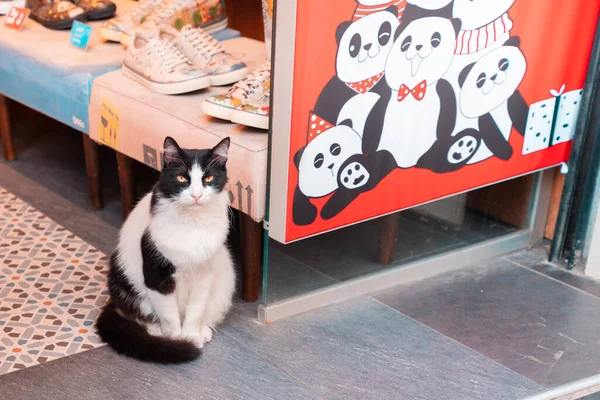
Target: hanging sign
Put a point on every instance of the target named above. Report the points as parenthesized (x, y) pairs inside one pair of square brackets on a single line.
[(380, 106)]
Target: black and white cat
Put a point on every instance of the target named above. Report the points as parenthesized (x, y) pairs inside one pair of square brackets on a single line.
[(171, 279)]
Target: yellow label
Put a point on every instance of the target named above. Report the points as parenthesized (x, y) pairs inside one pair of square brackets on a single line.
[(109, 123)]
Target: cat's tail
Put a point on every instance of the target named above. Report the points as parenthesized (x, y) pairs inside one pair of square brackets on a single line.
[(128, 337)]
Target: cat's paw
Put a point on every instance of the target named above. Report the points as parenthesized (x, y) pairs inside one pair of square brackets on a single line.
[(171, 330), (154, 329), (198, 337), (206, 333)]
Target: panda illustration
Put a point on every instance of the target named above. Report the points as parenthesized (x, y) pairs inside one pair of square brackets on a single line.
[(421, 55), (327, 150), (363, 47), (418, 108), (485, 27), (489, 106), (489, 92)]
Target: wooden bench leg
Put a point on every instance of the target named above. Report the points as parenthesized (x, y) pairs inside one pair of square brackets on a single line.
[(252, 252), (125, 166), (5, 132), (387, 238), (94, 172)]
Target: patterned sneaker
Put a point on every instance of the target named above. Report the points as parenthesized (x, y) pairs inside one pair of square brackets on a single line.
[(205, 52), (253, 113), (56, 14), (158, 65), (114, 28), (6, 5), (176, 13), (97, 9), (252, 88)]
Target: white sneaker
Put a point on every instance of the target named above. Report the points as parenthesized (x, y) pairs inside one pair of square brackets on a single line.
[(176, 13), (115, 27), (249, 90), (205, 52), (158, 65)]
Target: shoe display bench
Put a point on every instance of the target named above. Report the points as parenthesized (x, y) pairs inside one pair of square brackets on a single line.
[(134, 121), (40, 69)]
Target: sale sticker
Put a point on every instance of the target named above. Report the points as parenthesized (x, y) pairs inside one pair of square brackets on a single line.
[(80, 35), (16, 18)]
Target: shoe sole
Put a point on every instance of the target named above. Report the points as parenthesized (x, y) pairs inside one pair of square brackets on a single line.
[(105, 13), (250, 119), (60, 25), (228, 78), (109, 34), (124, 37), (217, 111), (168, 88)]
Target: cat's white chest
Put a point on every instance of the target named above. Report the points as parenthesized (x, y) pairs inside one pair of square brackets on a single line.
[(187, 244)]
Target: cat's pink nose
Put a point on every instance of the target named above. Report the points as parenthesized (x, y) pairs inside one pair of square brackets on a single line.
[(197, 197)]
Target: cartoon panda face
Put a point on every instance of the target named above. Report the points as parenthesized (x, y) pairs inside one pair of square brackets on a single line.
[(363, 45), (477, 13), (423, 51), (322, 159), (491, 81)]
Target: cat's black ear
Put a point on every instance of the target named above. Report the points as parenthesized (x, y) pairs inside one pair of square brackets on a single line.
[(171, 151), (221, 151)]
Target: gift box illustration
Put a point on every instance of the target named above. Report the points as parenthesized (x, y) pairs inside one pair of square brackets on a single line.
[(552, 121)]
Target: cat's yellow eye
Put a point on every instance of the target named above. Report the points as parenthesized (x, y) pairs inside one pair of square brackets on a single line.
[(181, 178), (209, 179)]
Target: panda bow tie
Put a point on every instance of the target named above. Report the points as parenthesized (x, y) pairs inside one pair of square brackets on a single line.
[(418, 91)]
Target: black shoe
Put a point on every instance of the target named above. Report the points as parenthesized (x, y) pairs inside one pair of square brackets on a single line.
[(56, 14), (97, 9)]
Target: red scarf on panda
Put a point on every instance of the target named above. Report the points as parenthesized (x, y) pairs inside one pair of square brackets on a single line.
[(469, 42)]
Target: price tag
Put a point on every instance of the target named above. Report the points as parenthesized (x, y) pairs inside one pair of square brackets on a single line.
[(80, 35), (16, 18), (109, 123)]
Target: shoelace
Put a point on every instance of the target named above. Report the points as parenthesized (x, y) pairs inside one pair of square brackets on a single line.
[(165, 10), (142, 8), (169, 55), (205, 43), (254, 79)]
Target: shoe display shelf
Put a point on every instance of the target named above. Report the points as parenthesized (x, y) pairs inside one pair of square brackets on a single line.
[(133, 120), (40, 69)]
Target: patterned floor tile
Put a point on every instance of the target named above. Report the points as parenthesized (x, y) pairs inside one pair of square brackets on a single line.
[(52, 285)]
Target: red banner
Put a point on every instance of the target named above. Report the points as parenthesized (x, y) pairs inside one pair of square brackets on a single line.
[(396, 104)]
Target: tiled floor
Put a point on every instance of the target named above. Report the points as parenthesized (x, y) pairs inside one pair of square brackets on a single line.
[(474, 334), (51, 287)]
